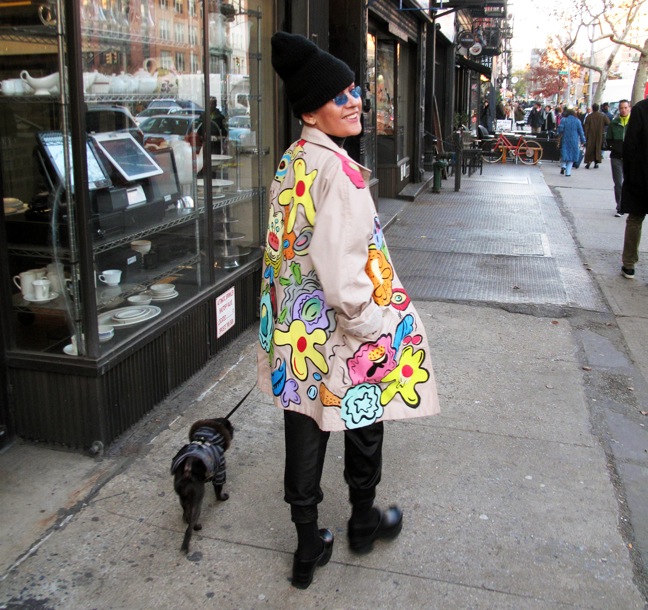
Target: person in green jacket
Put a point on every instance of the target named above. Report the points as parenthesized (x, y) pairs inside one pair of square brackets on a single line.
[(614, 138)]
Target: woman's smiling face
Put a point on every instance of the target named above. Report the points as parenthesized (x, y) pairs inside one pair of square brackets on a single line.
[(338, 121)]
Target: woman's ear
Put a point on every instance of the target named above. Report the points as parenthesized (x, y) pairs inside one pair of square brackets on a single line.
[(309, 118)]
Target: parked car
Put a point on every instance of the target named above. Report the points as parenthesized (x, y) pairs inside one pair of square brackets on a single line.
[(239, 128), (102, 119), (163, 128)]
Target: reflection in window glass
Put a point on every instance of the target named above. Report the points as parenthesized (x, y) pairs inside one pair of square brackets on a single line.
[(385, 81)]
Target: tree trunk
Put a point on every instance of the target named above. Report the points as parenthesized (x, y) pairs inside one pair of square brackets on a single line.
[(641, 75)]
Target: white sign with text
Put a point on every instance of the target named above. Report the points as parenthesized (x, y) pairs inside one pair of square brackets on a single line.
[(225, 312)]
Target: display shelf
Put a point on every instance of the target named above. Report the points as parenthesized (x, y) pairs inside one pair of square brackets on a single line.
[(31, 34), (172, 219)]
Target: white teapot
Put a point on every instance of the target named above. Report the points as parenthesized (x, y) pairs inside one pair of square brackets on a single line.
[(46, 85)]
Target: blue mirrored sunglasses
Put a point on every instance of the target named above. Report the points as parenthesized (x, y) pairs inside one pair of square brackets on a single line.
[(343, 98)]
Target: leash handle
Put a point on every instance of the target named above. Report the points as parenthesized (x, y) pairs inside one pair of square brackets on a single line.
[(240, 402)]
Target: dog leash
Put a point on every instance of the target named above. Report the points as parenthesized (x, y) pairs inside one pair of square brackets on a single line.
[(240, 402)]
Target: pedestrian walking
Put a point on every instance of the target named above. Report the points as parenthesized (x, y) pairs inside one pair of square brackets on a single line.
[(595, 125), (571, 136), (536, 118), (614, 142), (549, 122), (634, 201), (341, 346)]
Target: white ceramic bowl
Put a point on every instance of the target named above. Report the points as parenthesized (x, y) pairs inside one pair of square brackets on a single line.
[(143, 246), (106, 332), (140, 299), (160, 289)]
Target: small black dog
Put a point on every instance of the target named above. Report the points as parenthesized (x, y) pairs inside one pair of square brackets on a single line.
[(201, 461)]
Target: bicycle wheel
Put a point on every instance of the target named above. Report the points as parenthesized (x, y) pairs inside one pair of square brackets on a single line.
[(491, 151), (530, 153)]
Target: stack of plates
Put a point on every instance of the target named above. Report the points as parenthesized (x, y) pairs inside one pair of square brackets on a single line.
[(165, 296), (13, 206), (126, 316)]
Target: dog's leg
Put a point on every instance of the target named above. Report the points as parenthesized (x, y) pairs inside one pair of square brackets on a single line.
[(192, 524), (220, 494)]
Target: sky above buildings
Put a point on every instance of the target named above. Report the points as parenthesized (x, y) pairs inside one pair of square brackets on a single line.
[(531, 26)]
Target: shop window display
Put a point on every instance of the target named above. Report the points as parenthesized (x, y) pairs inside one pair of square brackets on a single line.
[(158, 212)]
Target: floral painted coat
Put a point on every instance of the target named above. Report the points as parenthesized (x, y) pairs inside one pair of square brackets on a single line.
[(339, 339)]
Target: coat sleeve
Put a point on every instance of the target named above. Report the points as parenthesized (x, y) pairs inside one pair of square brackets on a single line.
[(342, 232)]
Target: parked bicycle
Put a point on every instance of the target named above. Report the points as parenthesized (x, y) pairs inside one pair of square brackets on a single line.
[(527, 151)]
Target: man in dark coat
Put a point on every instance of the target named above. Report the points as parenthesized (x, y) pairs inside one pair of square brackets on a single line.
[(594, 125), (634, 198), (536, 118)]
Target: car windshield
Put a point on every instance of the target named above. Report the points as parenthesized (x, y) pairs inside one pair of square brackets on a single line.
[(169, 126)]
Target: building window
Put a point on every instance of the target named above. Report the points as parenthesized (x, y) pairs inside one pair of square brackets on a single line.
[(180, 61), (179, 8), (166, 61), (179, 32), (193, 35), (194, 64), (192, 8), (164, 4), (165, 33)]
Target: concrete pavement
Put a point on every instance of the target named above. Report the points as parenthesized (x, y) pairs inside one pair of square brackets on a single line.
[(526, 492)]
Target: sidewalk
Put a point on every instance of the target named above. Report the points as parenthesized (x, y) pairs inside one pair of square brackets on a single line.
[(514, 497)]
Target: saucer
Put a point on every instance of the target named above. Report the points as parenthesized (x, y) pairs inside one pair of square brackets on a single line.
[(108, 317), (70, 350), (51, 297), (129, 314)]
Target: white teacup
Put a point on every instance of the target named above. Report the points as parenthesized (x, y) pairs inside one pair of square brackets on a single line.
[(25, 280), (41, 289), (112, 277)]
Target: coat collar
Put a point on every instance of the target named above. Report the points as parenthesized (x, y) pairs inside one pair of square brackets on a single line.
[(316, 136)]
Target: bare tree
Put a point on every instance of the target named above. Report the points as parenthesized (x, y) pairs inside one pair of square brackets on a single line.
[(641, 75), (599, 20)]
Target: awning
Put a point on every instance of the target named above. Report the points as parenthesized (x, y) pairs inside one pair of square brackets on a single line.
[(469, 64)]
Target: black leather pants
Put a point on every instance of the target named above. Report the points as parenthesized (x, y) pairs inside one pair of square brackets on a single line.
[(305, 453)]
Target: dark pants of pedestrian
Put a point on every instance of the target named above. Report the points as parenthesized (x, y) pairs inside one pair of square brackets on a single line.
[(305, 452), (617, 177), (630, 255)]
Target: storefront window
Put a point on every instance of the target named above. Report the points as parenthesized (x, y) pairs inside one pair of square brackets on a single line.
[(386, 100)]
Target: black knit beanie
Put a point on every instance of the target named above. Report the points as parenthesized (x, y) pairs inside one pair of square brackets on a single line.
[(312, 77)]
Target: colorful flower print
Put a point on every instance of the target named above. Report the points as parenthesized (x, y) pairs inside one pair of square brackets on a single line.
[(266, 324), (302, 344), (381, 274), (361, 406), (372, 361), (352, 170), (404, 378), (274, 241), (299, 195), (311, 308), (400, 299), (306, 302)]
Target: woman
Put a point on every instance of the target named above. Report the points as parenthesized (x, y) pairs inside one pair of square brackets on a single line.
[(341, 346), (571, 136)]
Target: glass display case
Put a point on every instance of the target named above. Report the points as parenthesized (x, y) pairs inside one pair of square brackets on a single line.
[(172, 179), (132, 173)]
